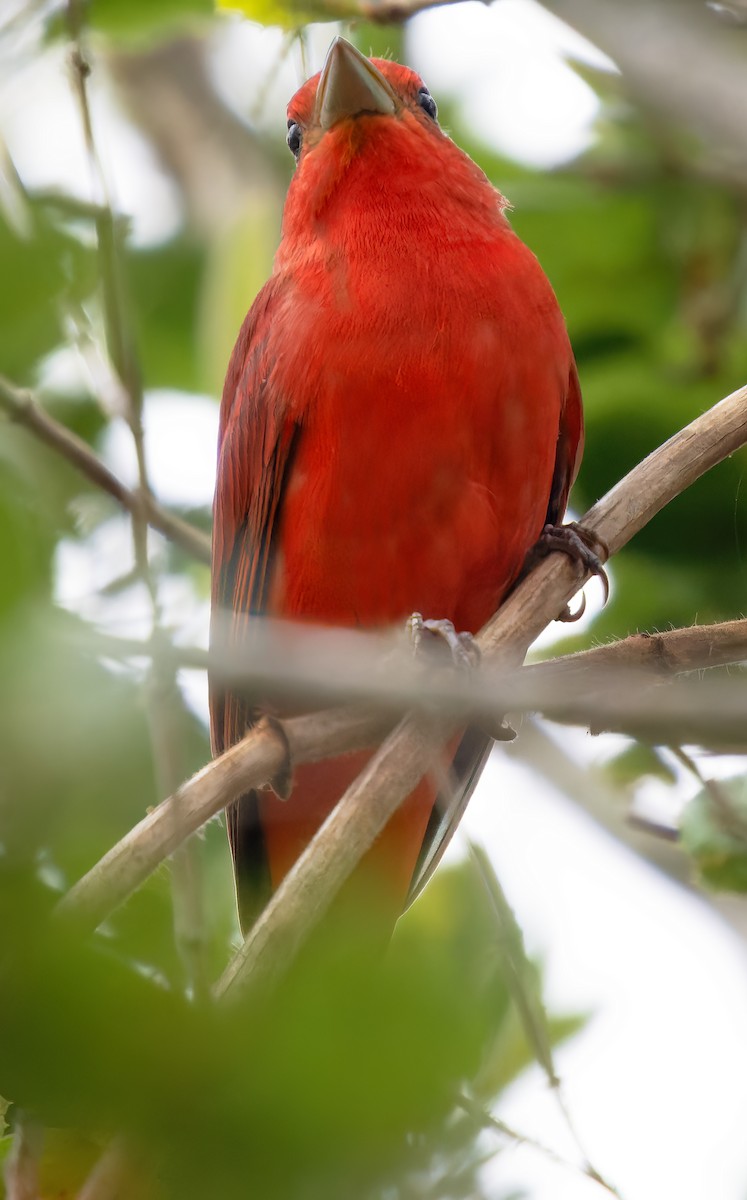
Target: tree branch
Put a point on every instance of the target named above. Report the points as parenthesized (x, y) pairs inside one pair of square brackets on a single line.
[(329, 667), (669, 653), (616, 696), (23, 408), (544, 687), (307, 891)]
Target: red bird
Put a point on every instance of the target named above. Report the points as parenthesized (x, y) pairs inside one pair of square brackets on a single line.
[(401, 417)]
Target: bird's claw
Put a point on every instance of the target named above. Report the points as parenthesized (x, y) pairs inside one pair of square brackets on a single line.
[(570, 615), (583, 547), (464, 649)]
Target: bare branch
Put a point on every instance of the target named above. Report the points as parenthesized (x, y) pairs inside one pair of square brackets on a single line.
[(669, 653), (23, 408), (616, 518), (254, 761), (485, 1120), (710, 715), (717, 715), (251, 763), (308, 889), (334, 666)]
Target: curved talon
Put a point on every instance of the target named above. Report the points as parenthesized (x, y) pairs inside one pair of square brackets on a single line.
[(582, 546), (569, 616), (464, 650)]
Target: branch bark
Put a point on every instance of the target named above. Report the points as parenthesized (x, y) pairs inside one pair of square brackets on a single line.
[(330, 667), (310, 887), (22, 407), (613, 696), (669, 653)]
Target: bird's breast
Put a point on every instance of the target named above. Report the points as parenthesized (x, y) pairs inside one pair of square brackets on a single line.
[(429, 394)]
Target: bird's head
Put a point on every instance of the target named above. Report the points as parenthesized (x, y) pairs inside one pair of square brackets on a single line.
[(367, 143), (350, 88)]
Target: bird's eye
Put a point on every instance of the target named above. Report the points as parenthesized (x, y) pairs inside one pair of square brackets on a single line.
[(294, 138), (426, 102)]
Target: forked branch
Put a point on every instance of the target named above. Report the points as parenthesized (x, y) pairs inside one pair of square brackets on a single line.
[(309, 888)]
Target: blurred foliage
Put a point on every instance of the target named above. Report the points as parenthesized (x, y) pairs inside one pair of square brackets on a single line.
[(290, 14), (52, 271), (331, 1088), (714, 833), (139, 20), (636, 762), (346, 1084)]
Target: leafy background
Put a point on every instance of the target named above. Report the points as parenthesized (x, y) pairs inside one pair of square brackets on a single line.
[(343, 1087)]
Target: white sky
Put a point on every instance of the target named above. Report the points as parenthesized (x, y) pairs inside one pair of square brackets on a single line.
[(658, 1082)]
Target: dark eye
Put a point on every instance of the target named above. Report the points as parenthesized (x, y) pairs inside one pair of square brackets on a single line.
[(294, 138), (426, 102)]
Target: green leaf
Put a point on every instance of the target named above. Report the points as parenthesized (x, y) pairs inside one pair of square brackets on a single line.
[(41, 273), (638, 761), (715, 835), (164, 285), (138, 19), (6, 1145), (290, 15)]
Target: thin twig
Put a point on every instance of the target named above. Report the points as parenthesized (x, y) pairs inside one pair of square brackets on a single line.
[(608, 805), (165, 709), (164, 699), (23, 408), (670, 652), (485, 1120)]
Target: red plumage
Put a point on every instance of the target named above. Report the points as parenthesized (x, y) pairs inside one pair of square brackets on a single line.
[(401, 416)]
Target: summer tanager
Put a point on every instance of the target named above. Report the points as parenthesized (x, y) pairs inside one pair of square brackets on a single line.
[(401, 417)]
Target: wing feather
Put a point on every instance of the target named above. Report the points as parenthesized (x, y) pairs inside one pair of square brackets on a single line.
[(256, 443)]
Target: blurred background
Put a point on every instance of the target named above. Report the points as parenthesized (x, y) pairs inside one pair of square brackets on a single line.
[(143, 167)]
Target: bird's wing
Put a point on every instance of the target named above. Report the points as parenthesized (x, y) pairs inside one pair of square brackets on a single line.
[(450, 803), (475, 746), (256, 446), (570, 448)]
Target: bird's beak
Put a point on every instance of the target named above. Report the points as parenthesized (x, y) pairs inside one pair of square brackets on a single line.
[(349, 85)]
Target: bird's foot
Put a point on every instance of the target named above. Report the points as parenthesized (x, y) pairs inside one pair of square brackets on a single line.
[(464, 649), (465, 654), (583, 547), (281, 782)]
